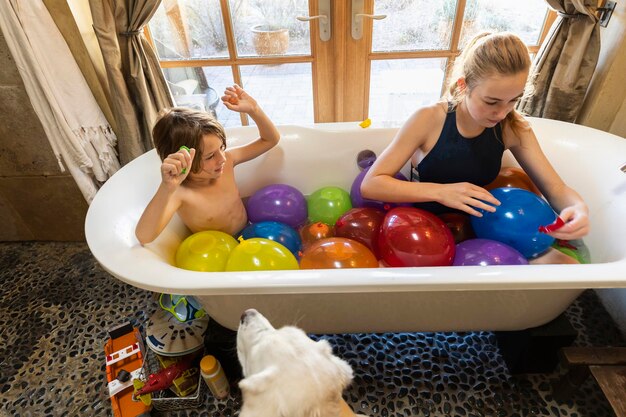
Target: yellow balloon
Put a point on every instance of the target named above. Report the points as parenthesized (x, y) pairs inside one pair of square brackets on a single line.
[(259, 254), (206, 251)]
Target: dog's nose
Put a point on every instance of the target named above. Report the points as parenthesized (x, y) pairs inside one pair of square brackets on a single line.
[(248, 312)]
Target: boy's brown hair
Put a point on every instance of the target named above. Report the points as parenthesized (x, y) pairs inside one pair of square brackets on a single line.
[(180, 126)]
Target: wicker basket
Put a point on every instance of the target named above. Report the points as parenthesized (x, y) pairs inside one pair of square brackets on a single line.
[(166, 400)]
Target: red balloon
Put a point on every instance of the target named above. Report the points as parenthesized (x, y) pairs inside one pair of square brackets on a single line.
[(337, 252), (460, 226), (515, 178), (361, 224), (413, 237), (312, 232)]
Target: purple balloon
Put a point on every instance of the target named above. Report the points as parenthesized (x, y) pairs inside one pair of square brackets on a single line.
[(486, 252), (358, 200), (278, 202)]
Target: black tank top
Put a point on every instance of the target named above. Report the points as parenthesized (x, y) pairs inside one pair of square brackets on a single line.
[(455, 158)]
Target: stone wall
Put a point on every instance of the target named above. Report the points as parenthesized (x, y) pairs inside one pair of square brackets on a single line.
[(37, 200)]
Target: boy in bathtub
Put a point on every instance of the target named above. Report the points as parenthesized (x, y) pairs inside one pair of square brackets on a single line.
[(197, 173)]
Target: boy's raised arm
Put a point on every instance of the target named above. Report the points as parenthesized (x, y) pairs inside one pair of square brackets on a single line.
[(236, 99)]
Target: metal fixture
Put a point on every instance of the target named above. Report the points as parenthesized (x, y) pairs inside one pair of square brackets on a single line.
[(358, 16), (606, 12), (323, 9)]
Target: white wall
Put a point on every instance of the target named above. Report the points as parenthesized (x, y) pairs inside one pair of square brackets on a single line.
[(605, 109)]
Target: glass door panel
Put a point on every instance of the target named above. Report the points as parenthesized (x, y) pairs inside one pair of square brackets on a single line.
[(190, 29), (524, 18), (399, 87), (270, 27), (417, 25), (285, 90)]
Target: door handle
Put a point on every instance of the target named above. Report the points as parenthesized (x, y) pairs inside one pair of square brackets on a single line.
[(358, 16), (323, 8)]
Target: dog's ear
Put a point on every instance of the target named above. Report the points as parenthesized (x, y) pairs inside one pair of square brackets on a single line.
[(258, 383), (343, 370)]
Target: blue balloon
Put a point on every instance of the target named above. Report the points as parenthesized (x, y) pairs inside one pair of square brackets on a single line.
[(516, 221), (278, 232)]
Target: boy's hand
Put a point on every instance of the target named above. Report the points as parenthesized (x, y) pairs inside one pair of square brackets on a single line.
[(176, 166), (236, 99)]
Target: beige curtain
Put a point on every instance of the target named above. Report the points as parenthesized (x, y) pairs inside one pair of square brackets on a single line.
[(565, 62), (137, 86)]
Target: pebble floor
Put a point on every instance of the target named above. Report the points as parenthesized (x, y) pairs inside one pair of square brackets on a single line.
[(56, 304)]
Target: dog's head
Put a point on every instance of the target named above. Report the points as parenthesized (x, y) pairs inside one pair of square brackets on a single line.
[(286, 374)]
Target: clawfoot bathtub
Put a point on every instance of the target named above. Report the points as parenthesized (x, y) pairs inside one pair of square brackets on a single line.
[(371, 300)]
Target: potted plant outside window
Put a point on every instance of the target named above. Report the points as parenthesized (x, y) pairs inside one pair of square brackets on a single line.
[(271, 35)]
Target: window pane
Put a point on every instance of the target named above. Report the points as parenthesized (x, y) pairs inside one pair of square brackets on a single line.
[(399, 87), (201, 89), (413, 25), (189, 29), (524, 18), (270, 27), (283, 91)]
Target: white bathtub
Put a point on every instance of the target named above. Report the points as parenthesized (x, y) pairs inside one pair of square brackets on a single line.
[(371, 300)]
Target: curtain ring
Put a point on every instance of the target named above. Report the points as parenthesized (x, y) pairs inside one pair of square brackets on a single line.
[(130, 33)]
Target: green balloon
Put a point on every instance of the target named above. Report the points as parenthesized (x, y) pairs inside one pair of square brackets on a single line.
[(327, 204), (580, 252)]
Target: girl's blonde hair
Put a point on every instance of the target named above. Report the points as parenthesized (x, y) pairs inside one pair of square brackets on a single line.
[(489, 54)]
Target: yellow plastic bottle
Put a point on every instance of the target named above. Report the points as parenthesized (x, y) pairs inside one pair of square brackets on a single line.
[(214, 376)]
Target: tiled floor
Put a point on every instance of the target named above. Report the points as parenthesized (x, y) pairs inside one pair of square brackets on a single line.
[(56, 304)]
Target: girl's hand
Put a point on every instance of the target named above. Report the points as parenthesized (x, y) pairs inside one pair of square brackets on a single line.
[(176, 167), (576, 220), (467, 197), (236, 99)]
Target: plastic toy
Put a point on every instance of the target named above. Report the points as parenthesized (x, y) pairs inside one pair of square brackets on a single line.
[(259, 254), (486, 252), (183, 308), (205, 251), (167, 336), (165, 377), (363, 225), (124, 358), (184, 171), (278, 232), (277, 202), (413, 237), (516, 221), (327, 204), (337, 252)]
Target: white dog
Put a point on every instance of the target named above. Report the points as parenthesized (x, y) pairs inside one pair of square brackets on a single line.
[(286, 374)]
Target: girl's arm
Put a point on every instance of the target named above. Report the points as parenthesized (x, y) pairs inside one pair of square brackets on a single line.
[(236, 99), (166, 200), (563, 199), (379, 182)]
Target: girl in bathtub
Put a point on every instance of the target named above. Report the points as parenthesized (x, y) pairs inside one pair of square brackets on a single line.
[(197, 173), (456, 145)]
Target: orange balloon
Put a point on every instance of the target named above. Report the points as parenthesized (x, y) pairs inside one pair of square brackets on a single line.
[(513, 177), (460, 226), (337, 252), (312, 232)]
